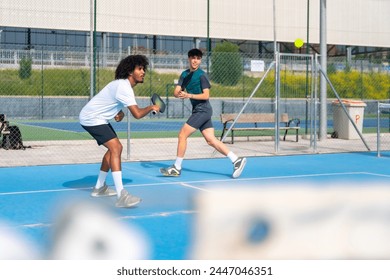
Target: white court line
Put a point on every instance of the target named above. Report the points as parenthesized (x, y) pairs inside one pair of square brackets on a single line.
[(38, 225), (45, 127), (190, 183), (193, 187), (45, 191), (377, 174), (132, 217), (248, 179), (256, 178), (158, 214)]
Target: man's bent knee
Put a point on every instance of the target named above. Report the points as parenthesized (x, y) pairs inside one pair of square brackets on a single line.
[(114, 146)]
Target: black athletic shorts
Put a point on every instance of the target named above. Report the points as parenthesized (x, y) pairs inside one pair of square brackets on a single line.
[(101, 133), (201, 116)]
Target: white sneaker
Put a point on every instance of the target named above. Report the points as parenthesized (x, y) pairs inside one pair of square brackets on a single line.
[(127, 200), (238, 165), (171, 171), (103, 191)]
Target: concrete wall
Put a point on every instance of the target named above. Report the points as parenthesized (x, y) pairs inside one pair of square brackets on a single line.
[(349, 22)]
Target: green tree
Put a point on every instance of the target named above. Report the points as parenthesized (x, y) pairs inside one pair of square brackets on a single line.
[(25, 68), (226, 65)]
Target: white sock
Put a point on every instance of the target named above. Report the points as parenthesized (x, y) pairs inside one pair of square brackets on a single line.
[(117, 176), (232, 156), (178, 162), (101, 179)]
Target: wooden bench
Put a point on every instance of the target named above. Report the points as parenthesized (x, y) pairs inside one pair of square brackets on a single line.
[(254, 119)]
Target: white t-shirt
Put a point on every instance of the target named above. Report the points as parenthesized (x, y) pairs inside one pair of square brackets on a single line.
[(105, 105)]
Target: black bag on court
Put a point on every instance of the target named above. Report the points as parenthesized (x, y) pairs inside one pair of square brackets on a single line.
[(13, 140)]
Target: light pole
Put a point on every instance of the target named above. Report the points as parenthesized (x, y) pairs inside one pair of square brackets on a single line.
[(1, 31), (323, 61), (307, 63), (208, 41)]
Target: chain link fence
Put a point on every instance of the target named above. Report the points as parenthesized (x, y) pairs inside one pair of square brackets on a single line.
[(42, 93)]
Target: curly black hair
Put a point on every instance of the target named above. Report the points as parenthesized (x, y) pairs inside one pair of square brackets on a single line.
[(128, 64), (195, 52)]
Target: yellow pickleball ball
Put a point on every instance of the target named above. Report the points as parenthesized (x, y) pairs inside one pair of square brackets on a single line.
[(298, 43)]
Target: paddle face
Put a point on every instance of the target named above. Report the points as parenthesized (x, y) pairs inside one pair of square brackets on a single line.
[(156, 100)]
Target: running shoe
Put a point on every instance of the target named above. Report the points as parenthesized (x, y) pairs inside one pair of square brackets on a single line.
[(171, 171), (103, 191), (127, 200), (238, 165)]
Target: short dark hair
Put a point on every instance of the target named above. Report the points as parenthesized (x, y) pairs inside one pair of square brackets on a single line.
[(128, 64), (195, 52)]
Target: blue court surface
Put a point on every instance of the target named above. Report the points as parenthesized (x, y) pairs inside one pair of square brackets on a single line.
[(30, 197)]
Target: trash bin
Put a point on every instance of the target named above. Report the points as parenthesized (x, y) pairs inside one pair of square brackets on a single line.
[(341, 123)]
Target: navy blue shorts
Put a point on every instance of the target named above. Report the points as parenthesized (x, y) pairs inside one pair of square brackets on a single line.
[(101, 133), (201, 116)]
